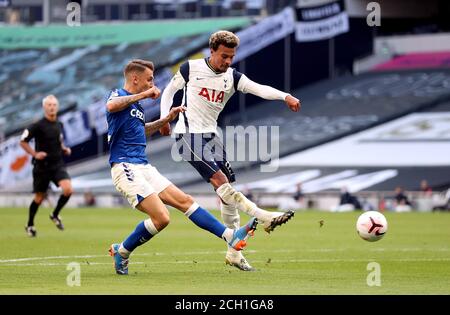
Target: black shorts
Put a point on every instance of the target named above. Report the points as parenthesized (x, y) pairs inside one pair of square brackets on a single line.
[(43, 176), (206, 153)]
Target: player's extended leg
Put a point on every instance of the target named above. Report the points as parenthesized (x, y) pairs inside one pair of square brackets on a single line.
[(235, 237), (231, 218), (145, 230), (130, 180), (34, 206), (66, 186), (229, 212), (207, 155), (229, 195)]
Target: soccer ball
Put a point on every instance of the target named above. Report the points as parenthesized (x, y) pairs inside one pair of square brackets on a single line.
[(371, 226)]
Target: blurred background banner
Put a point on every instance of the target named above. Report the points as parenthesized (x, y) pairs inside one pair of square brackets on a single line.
[(76, 128), (265, 33), (14, 162), (4, 3), (97, 117), (317, 20)]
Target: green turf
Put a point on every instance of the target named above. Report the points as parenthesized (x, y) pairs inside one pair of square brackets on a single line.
[(297, 258)]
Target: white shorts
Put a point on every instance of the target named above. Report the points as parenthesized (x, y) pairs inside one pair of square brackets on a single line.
[(137, 181)]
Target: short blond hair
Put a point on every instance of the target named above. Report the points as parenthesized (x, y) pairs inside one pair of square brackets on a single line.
[(138, 65), (225, 38), (48, 97)]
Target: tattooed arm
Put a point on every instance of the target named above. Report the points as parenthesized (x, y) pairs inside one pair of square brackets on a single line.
[(116, 104), (152, 127)]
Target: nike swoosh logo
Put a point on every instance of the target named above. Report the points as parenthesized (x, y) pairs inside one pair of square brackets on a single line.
[(199, 78)]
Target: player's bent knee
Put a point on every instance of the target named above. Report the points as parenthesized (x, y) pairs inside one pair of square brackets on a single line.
[(162, 221), (39, 199), (68, 192)]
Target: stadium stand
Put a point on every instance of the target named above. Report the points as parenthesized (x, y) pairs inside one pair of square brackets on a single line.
[(117, 10), (347, 105), (337, 104), (81, 76), (342, 109), (336, 108)]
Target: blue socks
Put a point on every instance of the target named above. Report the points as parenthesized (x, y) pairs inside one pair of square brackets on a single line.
[(145, 230), (205, 220), (140, 236)]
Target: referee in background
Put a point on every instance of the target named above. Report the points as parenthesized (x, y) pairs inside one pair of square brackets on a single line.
[(48, 162)]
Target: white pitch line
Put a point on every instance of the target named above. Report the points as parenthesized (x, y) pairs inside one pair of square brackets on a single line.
[(274, 261), (65, 264), (49, 258), (136, 254), (321, 250)]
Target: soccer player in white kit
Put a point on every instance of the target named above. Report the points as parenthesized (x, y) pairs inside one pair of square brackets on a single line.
[(208, 84)]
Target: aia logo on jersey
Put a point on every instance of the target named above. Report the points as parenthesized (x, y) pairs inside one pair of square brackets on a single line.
[(211, 96)]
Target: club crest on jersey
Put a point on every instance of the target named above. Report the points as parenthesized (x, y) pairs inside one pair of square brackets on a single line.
[(136, 113), (212, 95)]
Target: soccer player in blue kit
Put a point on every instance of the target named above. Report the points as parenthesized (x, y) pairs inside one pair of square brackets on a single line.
[(140, 182)]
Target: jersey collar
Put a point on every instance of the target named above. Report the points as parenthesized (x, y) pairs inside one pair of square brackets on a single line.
[(126, 91), (211, 67)]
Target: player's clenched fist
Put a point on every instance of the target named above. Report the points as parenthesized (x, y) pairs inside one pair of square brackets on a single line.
[(293, 103), (152, 92), (165, 130), (40, 155), (175, 111)]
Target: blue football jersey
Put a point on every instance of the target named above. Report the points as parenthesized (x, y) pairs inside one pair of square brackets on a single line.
[(126, 132)]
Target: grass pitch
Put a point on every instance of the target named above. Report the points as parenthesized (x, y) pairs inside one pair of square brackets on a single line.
[(297, 258)]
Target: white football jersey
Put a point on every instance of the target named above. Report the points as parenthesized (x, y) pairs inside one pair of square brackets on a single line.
[(205, 94)]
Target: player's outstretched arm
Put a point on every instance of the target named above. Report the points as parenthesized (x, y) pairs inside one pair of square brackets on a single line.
[(152, 127), (174, 85), (116, 104), (269, 93)]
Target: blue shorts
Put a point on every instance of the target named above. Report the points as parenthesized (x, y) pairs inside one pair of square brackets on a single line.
[(206, 153)]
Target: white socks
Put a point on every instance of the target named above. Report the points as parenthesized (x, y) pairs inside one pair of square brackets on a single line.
[(228, 235), (231, 218), (230, 215), (150, 227), (226, 192), (191, 209), (232, 197), (123, 251)]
